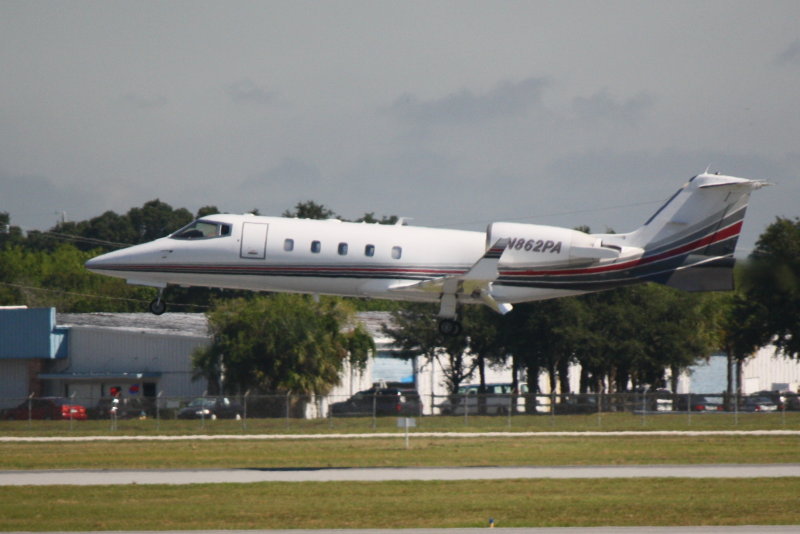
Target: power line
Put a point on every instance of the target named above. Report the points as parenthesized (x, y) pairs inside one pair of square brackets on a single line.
[(89, 295), (90, 240)]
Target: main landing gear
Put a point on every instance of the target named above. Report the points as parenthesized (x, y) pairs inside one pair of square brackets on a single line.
[(449, 327), (448, 322)]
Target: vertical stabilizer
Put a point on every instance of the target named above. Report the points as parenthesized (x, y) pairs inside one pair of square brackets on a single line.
[(691, 239)]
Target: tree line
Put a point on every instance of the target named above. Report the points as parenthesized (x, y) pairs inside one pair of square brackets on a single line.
[(640, 336)]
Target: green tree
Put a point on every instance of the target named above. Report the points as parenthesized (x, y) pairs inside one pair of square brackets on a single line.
[(41, 278), (415, 331), (634, 335), (548, 336), (487, 344), (310, 210), (370, 218), (281, 344), (206, 210), (157, 219), (771, 281), (741, 332)]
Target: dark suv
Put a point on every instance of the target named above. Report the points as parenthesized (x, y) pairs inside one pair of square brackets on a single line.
[(380, 401)]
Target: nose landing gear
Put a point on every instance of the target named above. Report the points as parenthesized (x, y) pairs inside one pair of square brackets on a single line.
[(158, 306)]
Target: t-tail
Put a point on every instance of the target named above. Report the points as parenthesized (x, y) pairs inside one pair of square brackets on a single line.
[(690, 241)]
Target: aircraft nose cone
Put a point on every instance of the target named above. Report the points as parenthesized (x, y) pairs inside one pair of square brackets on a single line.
[(98, 263), (95, 263)]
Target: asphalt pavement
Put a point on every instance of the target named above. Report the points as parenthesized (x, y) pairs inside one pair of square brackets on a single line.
[(372, 474)]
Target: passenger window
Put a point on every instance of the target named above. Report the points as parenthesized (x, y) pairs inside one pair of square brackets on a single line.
[(369, 250), (397, 252), (342, 249), (288, 245), (316, 246)]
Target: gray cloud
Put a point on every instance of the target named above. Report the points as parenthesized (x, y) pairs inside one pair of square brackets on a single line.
[(33, 199), (281, 187), (509, 112), (632, 184), (248, 92), (507, 99), (790, 55), (603, 106), (138, 101)]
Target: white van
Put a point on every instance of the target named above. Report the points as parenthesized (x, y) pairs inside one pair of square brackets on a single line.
[(497, 399)]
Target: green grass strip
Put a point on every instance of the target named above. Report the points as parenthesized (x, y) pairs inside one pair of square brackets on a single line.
[(391, 452), (512, 503), (517, 423)]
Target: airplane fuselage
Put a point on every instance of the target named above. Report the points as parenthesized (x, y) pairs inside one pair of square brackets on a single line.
[(688, 243), (328, 257)]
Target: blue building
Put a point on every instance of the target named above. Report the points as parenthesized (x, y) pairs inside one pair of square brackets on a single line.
[(29, 342), (91, 355)]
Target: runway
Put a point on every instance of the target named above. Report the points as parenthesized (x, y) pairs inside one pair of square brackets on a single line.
[(378, 474)]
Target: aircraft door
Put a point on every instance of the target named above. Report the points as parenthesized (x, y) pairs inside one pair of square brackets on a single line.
[(254, 241)]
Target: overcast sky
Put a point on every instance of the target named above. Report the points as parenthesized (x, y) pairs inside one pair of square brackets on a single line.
[(453, 113)]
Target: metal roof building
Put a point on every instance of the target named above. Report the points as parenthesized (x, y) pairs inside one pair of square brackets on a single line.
[(86, 355), (29, 340)]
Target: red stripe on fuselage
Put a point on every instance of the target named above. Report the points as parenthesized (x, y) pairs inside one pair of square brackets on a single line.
[(721, 235)]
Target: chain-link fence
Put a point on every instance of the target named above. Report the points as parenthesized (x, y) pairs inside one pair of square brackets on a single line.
[(378, 407)]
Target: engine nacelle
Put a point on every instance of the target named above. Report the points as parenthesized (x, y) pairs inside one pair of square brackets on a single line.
[(533, 244)]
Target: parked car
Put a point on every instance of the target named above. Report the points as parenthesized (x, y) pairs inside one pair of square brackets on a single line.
[(211, 408), (791, 400), (496, 399), (699, 403), (785, 400), (756, 403), (380, 401), (660, 400), (581, 403), (47, 408)]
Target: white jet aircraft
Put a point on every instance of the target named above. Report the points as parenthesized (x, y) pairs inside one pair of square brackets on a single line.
[(688, 243)]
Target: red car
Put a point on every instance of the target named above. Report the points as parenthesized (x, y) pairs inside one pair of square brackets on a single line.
[(47, 408)]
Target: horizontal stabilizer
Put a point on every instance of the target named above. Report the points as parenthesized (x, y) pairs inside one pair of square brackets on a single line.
[(710, 275)]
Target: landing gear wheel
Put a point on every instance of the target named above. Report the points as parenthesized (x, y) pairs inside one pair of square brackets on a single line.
[(158, 306), (449, 327)]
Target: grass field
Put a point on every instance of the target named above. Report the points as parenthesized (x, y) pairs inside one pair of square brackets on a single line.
[(511, 503), (392, 452), (517, 423), (577, 502)]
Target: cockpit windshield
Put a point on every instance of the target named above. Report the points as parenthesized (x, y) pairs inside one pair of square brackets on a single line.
[(201, 229)]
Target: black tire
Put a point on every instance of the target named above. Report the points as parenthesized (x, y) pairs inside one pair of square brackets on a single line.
[(157, 307), (449, 327)]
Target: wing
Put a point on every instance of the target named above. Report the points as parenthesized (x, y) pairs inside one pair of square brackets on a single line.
[(476, 282)]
